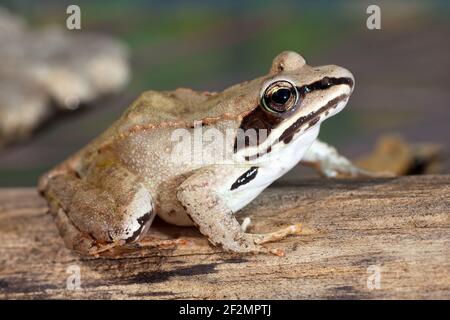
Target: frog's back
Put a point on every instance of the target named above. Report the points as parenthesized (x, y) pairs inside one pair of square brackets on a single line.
[(152, 110), (180, 108)]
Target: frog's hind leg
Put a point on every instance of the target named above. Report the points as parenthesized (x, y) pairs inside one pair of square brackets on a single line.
[(329, 163), (108, 208), (73, 238)]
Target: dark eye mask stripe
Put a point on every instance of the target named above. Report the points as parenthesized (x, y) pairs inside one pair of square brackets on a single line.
[(259, 119), (310, 119), (324, 84)]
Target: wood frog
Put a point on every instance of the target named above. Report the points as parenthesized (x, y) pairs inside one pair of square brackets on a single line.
[(107, 194)]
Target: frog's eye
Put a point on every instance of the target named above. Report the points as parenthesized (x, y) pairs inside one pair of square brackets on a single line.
[(280, 96)]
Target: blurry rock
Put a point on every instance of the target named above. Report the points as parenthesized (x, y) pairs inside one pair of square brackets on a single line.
[(395, 155), (52, 68)]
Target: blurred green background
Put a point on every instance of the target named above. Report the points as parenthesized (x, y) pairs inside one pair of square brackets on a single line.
[(402, 71)]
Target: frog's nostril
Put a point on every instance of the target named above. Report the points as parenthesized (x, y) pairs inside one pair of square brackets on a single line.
[(326, 82)]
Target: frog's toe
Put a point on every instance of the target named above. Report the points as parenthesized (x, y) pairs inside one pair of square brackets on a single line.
[(277, 252)]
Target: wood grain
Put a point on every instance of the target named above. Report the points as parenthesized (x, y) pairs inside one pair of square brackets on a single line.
[(352, 227)]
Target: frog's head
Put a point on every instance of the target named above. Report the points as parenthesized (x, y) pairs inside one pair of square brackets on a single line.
[(294, 100)]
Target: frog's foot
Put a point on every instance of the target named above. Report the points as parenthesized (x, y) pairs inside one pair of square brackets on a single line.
[(101, 248), (247, 243), (252, 247), (294, 229), (116, 246), (329, 163), (262, 238), (161, 243)]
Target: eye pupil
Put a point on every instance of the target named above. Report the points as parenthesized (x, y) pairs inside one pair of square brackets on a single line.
[(281, 95)]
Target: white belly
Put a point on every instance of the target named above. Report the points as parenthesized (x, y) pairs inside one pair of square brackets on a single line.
[(279, 162)]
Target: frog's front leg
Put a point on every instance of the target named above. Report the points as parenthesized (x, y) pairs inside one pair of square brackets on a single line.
[(204, 197), (328, 162)]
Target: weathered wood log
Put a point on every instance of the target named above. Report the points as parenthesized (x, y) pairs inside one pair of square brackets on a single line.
[(377, 238)]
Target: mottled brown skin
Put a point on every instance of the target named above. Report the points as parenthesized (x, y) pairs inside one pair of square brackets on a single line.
[(105, 196)]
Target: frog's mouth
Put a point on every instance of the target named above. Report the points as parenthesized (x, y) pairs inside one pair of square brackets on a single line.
[(306, 122)]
